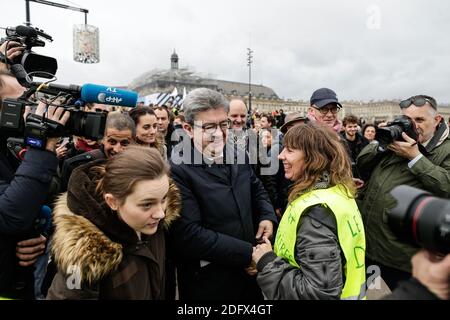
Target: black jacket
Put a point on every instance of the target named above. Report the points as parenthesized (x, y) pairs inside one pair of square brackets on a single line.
[(411, 290), (21, 196), (72, 163), (353, 149), (222, 206)]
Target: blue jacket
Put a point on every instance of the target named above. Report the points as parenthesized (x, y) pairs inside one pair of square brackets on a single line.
[(20, 201)]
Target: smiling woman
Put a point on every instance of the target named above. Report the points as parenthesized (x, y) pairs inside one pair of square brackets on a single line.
[(109, 228), (320, 243)]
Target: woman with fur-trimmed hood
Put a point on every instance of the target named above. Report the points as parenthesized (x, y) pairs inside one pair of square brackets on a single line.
[(109, 239)]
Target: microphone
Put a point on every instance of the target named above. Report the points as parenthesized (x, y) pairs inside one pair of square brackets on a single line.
[(108, 95), (28, 32), (21, 31)]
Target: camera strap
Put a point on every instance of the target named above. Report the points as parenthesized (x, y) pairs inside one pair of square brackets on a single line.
[(441, 130), (4, 59)]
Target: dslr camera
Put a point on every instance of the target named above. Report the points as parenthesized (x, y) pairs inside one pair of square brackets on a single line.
[(421, 219), (393, 131)]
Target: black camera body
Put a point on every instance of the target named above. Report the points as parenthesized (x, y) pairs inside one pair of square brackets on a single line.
[(421, 219), (36, 64), (11, 115), (393, 131)]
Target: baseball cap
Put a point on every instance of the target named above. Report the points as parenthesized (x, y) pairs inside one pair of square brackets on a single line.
[(324, 96)]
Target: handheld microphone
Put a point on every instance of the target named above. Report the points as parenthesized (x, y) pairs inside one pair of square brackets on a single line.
[(44, 221), (108, 95)]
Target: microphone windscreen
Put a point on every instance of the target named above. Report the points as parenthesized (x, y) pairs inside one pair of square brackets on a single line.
[(93, 93)]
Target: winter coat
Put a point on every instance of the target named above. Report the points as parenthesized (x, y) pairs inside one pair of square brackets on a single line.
[(318, 253), (99, 256), (214, 237), (431, 173), (21, 197)]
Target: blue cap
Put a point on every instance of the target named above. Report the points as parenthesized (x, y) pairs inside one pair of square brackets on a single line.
[(324, 96)]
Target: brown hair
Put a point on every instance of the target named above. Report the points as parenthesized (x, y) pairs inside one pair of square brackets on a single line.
[(136, 114), (323, 151), (349, 119), (120, 173)]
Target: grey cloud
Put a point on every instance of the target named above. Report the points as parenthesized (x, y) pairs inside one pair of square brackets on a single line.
[(298, 45)]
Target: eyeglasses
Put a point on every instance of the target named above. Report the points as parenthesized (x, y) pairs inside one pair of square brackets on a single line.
[(210, 128), (418, 102), (324, 111)]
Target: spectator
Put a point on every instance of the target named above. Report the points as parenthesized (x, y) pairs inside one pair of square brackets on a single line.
[(319, 247), (354, 141), (324, 108), (369, 131), (147, 129), (109, 241)]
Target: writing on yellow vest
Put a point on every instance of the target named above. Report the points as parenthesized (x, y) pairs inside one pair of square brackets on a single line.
[(349, 228)]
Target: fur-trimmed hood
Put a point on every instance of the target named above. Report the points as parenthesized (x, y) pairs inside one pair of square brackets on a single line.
[(89, 236)]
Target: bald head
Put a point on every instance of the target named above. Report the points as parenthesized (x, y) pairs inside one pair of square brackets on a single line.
[(237, 114)]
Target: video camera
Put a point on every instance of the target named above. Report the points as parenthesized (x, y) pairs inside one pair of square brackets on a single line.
[(421, 219), (393, 131), (72, 97), (39, 65)]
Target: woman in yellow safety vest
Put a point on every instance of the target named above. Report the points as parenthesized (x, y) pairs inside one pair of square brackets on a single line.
[(320, 243)]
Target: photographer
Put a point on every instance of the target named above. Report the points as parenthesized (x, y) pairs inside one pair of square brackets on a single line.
[(423, 164)]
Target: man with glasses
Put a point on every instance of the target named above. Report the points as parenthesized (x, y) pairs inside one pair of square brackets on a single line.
[(424, 164), (225, 207), (324, 108)]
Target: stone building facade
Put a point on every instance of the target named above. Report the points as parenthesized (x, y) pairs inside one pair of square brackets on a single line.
[(264, 99)]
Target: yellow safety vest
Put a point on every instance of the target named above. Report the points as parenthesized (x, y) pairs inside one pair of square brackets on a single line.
[(350, 234)]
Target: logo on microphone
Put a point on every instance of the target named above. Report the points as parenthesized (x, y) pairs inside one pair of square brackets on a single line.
[(102, 97)]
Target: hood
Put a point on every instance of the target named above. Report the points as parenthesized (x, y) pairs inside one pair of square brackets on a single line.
[(91, 236)]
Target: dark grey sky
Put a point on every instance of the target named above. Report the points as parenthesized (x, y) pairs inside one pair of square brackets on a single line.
[(362, 49)]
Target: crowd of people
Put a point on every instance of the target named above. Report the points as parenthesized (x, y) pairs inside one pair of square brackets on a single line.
[(211, 202)]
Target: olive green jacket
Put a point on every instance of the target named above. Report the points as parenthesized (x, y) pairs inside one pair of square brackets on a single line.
[(431, 173)]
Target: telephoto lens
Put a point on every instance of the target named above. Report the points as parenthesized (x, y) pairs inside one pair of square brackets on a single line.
[(421, 219)]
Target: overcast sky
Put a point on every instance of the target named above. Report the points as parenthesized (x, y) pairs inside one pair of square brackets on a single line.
[(362, 49)]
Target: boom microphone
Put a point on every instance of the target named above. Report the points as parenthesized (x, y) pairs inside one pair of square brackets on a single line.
[(108, 95)]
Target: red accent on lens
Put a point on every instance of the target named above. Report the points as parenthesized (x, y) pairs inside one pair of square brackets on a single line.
[(416, 216), (21, 153)]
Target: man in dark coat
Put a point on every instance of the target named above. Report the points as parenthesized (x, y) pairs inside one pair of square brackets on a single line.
[(225, 208)]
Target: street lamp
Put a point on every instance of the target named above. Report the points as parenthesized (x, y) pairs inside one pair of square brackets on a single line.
[(249, 64)]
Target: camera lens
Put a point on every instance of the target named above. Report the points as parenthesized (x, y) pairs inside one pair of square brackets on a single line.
[(90, 125), (421, 219), (387, 135)]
